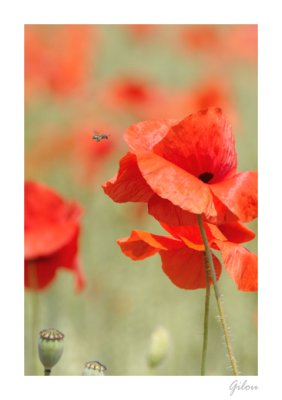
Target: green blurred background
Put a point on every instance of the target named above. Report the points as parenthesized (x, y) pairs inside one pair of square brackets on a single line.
[(113, 318)]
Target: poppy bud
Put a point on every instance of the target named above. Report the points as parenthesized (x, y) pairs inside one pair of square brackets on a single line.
[(94, 368), (50, 348), (159, 347)]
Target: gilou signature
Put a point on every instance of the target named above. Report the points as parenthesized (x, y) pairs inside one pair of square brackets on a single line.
[(236, 385)]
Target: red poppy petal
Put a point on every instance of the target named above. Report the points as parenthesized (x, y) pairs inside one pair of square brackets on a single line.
[(186, 267), (128, 184), (50, 221), (40, 272), (239, 194), (241, 265), (142, 244), (164, 211), (192, 237), (145, 134), (236, 232), (202, 143), (173, 183), (44, 240)]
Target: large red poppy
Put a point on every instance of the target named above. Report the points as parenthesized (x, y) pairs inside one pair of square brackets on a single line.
[(185, 168), (182, 254), (52, 227)]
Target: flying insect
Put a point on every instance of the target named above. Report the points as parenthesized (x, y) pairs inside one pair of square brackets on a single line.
[(100, 136)]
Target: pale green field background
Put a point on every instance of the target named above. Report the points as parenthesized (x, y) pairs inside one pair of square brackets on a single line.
[(124, 301)]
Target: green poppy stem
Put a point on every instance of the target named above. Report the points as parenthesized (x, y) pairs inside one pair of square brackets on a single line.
[(206, 319), (47, 372), (218, 297), (34, 321)]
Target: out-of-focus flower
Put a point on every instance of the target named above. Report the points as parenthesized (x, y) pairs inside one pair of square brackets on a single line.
[(57, 58), (221, 43), (84, 157), (241, 42), (182, 254), (137, 97), (213, 92), (201, 38), (159, 347), (52, 227), (185, 168), (140, 31)]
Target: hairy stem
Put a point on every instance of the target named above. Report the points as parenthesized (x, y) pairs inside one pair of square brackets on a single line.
[(218, 297), (206, 319)]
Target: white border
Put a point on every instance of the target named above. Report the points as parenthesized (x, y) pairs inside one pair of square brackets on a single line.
[(11, 77)]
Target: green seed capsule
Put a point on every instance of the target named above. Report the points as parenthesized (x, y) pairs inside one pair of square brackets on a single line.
[(159, 347), (94, 368), (50, 347)]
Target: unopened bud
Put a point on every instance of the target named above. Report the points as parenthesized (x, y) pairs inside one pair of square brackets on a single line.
[(94, 368), (50, 348), (159, 347)]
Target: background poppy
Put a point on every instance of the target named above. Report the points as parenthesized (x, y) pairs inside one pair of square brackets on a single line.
[(52, 227)]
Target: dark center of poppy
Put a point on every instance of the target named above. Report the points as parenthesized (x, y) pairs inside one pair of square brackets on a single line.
[(206, 177)]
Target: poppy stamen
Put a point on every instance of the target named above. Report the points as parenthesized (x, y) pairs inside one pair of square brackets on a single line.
[(205, 177)]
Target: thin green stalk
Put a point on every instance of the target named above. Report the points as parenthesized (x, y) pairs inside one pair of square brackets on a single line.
[(34, 321), (218, 297), (47, 372), (206, 319)]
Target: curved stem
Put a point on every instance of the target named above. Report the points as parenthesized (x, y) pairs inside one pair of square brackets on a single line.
[(218, 297), (206, 318)]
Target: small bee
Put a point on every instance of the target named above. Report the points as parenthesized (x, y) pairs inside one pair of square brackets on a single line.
[(100, 136)]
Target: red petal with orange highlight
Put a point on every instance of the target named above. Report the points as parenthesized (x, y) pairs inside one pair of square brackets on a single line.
[(128, 184), (201, 143), (186, 267), (173, 183), (239, 194), (241, 265), (145, 134), (236, 232), (143, 244)]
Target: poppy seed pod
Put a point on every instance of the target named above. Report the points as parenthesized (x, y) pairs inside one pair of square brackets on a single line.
[(159, 347), (94, 368), (50, 347)]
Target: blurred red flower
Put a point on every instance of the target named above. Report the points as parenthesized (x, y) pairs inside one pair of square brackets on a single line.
[(213, 92), (185, 168), (182, 254), (136, 96), (241, 42), (140, 31), (83, 156), (57, 58), (201, 37), (52, 227)]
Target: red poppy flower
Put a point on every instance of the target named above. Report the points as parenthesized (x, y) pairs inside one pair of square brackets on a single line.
[(51, 236), (57, 57), (182, 254), (185, 168)]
